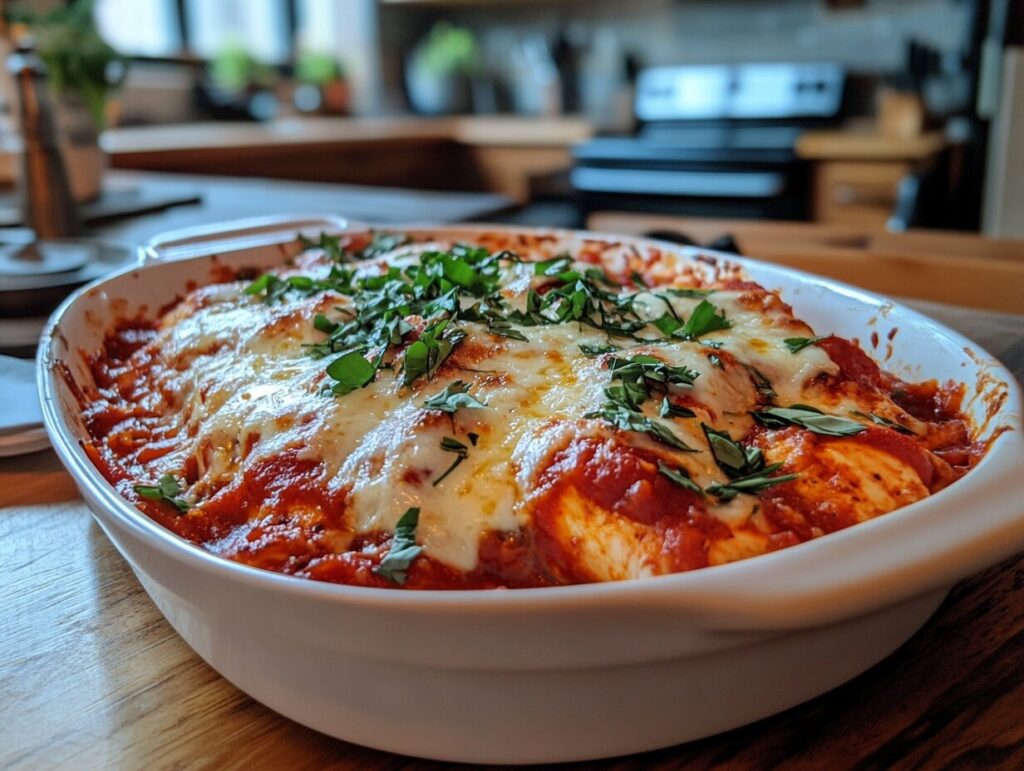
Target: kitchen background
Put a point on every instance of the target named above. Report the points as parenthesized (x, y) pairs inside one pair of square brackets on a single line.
[(803, 131)]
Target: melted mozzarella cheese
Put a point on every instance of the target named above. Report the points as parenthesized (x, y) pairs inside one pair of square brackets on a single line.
[(249, 391)]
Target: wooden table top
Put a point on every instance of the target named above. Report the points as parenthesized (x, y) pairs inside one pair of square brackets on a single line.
[(964, 269), (508, 130), (91, 676)]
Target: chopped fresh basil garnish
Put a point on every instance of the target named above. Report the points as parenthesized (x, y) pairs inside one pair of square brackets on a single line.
[(680, 477), (797, 344), (455, 396), (552, 267), (716, 360), (505, 329), (651, 370), (685, 291), (276, 288), (733, 458), (880, 421), (330, 244), (761, 383), (670, 410), (167, 489), (626, 419), (449, 444), (381, 243), (352, 371), (595, 349), (743, 465), (403, 551), (811, 418), (750, 484), (667, 324), (323, 324), (424, 356), (704, 318)]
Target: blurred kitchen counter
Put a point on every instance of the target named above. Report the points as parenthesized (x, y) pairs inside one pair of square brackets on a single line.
[(963, 269), (500, 154), (857, 171)]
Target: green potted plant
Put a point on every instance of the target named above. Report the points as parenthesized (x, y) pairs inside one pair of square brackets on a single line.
[(439, 69), (321, 84), (238, 86), (237, 71), (82, 71)]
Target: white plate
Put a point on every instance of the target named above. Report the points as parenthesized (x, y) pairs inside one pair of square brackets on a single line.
[(564, 673), (24, 443)]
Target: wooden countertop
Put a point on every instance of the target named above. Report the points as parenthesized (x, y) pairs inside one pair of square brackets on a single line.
[(957, 268), (513, 131), (497, 153), (867, 145), (92, 676)]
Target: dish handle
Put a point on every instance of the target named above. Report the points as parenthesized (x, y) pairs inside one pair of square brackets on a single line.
[(247, 233)]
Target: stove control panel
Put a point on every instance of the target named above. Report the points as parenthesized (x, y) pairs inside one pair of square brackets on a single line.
[(740, 91)]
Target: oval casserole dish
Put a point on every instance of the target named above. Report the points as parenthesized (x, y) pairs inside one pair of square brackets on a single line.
[(560, 673)]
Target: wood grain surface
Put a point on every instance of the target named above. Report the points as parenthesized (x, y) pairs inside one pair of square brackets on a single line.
[(989, 272), (498, 153), (91, 676)]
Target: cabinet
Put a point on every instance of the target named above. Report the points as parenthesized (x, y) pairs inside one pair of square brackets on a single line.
[(857, 175)]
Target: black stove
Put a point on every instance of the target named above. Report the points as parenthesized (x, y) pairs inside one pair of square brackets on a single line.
[(714, 140)]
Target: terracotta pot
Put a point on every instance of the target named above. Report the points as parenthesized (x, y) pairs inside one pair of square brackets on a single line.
[(335, 97)]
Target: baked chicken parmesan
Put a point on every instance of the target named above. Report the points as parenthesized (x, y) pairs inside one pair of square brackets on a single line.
[(512, 411)]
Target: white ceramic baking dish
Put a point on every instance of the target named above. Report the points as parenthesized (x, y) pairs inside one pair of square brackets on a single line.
[(562, 673)]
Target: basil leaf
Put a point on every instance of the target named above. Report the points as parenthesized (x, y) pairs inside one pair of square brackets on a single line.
[(625, 419), (352, 371), (732, 457), (727, 453), (551, 268), (667, 324), (424, 356), (761, 383), (704, 318), (380, 243), (415, 362), (809, 418), (670, 410), (598, 275), (750, 484), (595, 349), (445, 346), (167, 489), (797, 344), (685, 291), (454, 396), (458, 270), (716, 360), (323, 324), (880, 421), (680, 477), (330, 244), (449, 444), (505, 329), (403, 550), (261, 284)]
